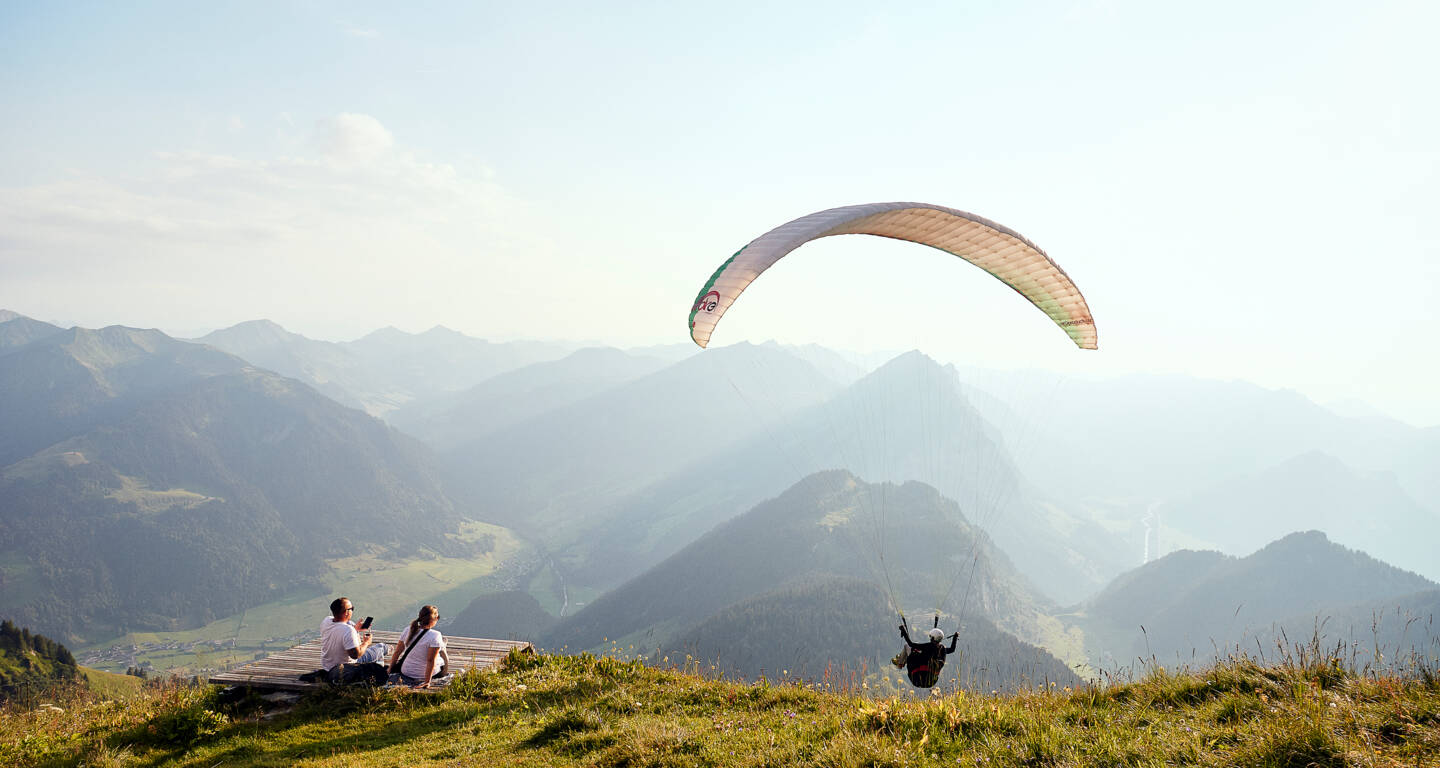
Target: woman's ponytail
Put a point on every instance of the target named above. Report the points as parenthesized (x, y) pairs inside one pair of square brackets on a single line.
[(427, 612)]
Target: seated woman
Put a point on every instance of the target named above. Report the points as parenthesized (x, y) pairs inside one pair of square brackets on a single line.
[(421, 646)]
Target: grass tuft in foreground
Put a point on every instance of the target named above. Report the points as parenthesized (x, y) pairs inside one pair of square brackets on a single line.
[(584, 710)]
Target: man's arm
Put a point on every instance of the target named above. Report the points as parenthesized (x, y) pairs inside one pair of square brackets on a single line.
[(359, 647), (954, 638), (905, 634)]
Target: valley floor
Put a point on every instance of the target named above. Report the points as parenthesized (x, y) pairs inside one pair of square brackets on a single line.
[(583, 710)]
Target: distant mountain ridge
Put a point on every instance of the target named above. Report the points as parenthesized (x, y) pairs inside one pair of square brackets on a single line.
[(17, 330), (1193, 603), (1116, 449), (385, 369), (1366, 511), (70, 382), (558, 473), (328, 367), (514, 396)]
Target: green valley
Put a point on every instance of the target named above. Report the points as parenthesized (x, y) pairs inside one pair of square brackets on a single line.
[(379, 586)]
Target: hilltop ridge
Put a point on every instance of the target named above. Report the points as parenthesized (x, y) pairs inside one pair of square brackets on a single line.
[(589, 711)]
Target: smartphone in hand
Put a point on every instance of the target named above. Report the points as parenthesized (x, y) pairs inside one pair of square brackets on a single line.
[(368, 619)]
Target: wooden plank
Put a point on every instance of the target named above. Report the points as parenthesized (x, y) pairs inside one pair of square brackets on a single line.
[(281, 671)]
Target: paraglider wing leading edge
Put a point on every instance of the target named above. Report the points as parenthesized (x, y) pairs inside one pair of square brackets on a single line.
[(997, 249)]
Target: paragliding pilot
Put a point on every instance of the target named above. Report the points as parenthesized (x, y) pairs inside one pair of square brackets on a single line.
[(923, 661)]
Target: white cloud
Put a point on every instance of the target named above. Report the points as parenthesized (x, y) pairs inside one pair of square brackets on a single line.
[(352, 138), (358, 228), (364, 33)]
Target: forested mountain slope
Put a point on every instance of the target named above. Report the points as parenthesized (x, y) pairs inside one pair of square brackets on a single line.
[(839, 629), (192, 487), (823, 526)]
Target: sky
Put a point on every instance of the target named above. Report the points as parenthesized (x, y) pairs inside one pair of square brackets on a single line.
[(1242, 190)]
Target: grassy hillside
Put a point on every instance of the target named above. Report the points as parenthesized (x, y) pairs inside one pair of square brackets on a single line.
[(109, 685), (582, 710), (29, 662)]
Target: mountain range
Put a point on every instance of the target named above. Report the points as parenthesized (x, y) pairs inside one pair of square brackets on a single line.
[(156, 484), (383, 370), (1191, 605), (662, 489), (506, 399), (820, 528)]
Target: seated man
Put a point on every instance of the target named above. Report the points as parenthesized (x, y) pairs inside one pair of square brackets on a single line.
[(344, 652)]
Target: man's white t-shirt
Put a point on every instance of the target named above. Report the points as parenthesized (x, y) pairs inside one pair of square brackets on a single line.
[(337, 639), (414, 665)]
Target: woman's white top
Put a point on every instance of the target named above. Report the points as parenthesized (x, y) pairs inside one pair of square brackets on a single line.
[(414, 665)]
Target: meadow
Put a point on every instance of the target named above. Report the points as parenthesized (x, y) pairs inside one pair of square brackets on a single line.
[(1309, 710)]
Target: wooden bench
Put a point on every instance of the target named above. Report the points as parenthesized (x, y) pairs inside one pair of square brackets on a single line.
[(282, 671)]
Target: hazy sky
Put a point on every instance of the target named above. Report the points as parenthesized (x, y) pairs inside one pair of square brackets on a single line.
[(1242, 190)]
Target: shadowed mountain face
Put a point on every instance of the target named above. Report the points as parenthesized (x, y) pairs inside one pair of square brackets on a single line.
[(192, 486), (1192, 604), (18, 330), (822, 526), (504, 616), (838, 630)]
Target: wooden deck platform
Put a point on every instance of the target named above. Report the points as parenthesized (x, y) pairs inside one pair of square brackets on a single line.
[(281, 671)]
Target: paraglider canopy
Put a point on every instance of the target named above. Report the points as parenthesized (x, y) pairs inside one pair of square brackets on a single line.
[(997, 249)]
